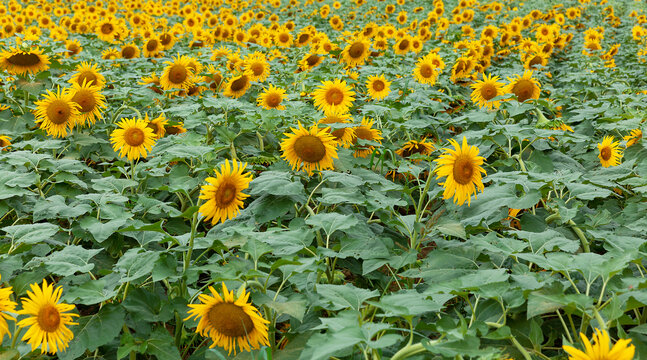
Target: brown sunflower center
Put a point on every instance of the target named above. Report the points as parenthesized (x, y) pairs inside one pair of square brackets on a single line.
[(310, 148), (356, 50), (230, 320), (178, 74), (364, 134), (24, 59), (85, 99), (153, 126), (107, 29), (88, 76), (312, 60), (134, 136), (463, 170), (303, 38), (239, 84), (378, 85), (460, 67), (257, 68), (48, 318), (59, 111), (535, 61), (426, 71), (605, 153), (273, 100), (488, 91), (334, 96), (523, 89), (404, 44), (152, 45), (165, 39), (284, 37), (128, 52), (226, 194)]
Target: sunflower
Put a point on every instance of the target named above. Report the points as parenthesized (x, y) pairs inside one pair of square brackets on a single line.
[(343, 135), (356, 52), (107, 29), (86, 72), (333, 96), (178, 74), (283, 37), (133, 138), (20, 62), (310, 61), (378, 87), (271, 98), (73, 47), (487, 89), (48, 319), (634, 136), (425, 71), (524, 87), (610, 153), (223, 194), (175, 129), (152, 47), (129, 51), (158, 125), (57, 113), (90, 102), (412, 147), (601, 348), (229, 321), (257, 64), (6, 304), (238, 85), (167, 40), (462, 68), (111, 54), (309, 149), (366, 132), (402, 46), (213, 79), (462, 168)]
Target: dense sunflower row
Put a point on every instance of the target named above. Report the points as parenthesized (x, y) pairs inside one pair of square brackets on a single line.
[(344, 62)]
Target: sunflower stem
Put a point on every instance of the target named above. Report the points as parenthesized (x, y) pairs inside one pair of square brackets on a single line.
[(232, 148), (261, 145), (580, 235), (521, 349), (189, 252)]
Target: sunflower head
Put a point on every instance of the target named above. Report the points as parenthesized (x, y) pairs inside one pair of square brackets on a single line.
[(238, 85), (366, 132), (90, 101), (356, 52), (461, 168), (57, 113), (343, 133), (6, 304), (158, 125), (524, 87), (47, 319), (178, 74), (334, 97), (20, 62), (129, 51), (309, 149), (133, 138), (486, 90), (378, 87), (271, 98), (231, 323), (610, 152), (224, 193), (87, 72), (601, 348), (412, 147), (634, 136)]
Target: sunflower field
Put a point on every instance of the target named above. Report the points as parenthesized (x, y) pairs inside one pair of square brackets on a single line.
[(321, 179)]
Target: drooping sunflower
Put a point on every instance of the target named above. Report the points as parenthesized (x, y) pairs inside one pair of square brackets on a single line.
[(271, 98), (20, 62), (178, 74), (129, 51), (425, 71), (133, 138), (6, 304), (152, 47), (48, 319), (57, 113), (462, 168), (224, 193), (110, 54), (310, 61), (86, 72), (90, 101), (487, 89), (333, 96), (366, 132), (238, 85), (610, 152), (634, 136), (462, 68), (310, 149), (412, 147), (158, 125), (601, 348), (230, 323), (73, 47), (356, 52), (378, 87), (524, 87), (343, 135)]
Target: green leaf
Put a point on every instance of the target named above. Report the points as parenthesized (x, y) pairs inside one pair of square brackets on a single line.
[(542, 302), (331, 222), (70, 260), (101, 231), (277, 183), (90, 292), (136, 263), (162, 345), (32, 233), (344, 296), (406, 303), (95, 330), (296, 308)]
